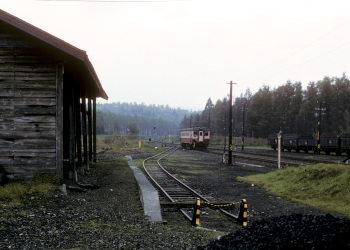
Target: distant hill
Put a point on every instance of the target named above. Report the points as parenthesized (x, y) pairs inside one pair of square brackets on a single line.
[(156, 111), (116, 117)]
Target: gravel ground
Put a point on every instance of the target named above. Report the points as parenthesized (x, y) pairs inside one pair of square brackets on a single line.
[(273, 223), (206, 173), (111, 217)]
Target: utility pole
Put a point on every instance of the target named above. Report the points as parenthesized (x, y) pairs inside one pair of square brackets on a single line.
[(230, 126), (243, 112), (225, 130)]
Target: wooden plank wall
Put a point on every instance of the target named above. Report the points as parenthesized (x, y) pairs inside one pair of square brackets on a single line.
[(27, 108)]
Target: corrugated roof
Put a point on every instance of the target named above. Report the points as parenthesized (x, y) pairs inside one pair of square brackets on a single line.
[(59, 44)]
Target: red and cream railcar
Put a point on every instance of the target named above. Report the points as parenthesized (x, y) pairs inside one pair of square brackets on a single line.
[(196, 137)]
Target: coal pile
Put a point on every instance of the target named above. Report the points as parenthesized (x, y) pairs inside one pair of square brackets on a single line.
[(294, 231)]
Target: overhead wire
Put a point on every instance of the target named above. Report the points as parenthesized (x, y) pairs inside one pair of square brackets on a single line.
[(115, 1), (298, 51), (312, 59), (245, 78)]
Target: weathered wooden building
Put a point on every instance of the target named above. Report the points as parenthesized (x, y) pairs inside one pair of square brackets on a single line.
[(48, 91)]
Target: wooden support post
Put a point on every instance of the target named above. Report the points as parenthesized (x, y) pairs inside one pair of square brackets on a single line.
[(78, 130), (72, 132), (94, 129), (59, 119), (84, 129), (90, 129)]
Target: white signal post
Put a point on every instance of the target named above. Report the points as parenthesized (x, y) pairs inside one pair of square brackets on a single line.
[(279, 135)]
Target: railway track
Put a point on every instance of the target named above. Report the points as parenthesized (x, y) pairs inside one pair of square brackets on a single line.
[(239, 156), (178, 195), (287, 160)]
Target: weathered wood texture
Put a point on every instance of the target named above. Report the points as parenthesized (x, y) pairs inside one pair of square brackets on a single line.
[(59, 119), (45, 125), (28, 81)]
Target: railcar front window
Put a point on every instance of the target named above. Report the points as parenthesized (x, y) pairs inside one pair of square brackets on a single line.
[(195, 134)]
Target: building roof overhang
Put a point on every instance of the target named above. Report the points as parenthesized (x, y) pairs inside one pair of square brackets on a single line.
[(72, 53)]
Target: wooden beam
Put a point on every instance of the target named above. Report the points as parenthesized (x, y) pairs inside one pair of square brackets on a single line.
[(84, 129), (94, 129), (90, 129), (72, 126), (59, 119), (78, 129)]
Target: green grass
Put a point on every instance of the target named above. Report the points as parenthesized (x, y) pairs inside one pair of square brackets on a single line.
[(120, 144), (323, 186), (12, 193), (219, 141)]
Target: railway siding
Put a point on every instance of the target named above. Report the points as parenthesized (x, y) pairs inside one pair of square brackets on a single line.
[(148, 194), (185, 199), (207, 173)]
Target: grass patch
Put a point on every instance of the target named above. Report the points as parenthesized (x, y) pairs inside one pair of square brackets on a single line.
[(257, 143), (139, 162), (121, 144), (324, 186), (196, 171), (12, 193)]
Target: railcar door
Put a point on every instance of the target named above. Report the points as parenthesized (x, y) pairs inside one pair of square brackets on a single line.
[(201, 136)]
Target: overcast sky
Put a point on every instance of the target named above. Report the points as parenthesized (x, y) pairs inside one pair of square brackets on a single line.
[(182, 52)]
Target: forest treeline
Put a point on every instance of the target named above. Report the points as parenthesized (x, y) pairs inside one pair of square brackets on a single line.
[(289, 108), (132, 118)]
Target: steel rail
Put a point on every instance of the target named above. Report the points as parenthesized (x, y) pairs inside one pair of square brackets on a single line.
[(153, 180), (179, 182), (261, 158), (289, 159), (190, 189), (160, 188)]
